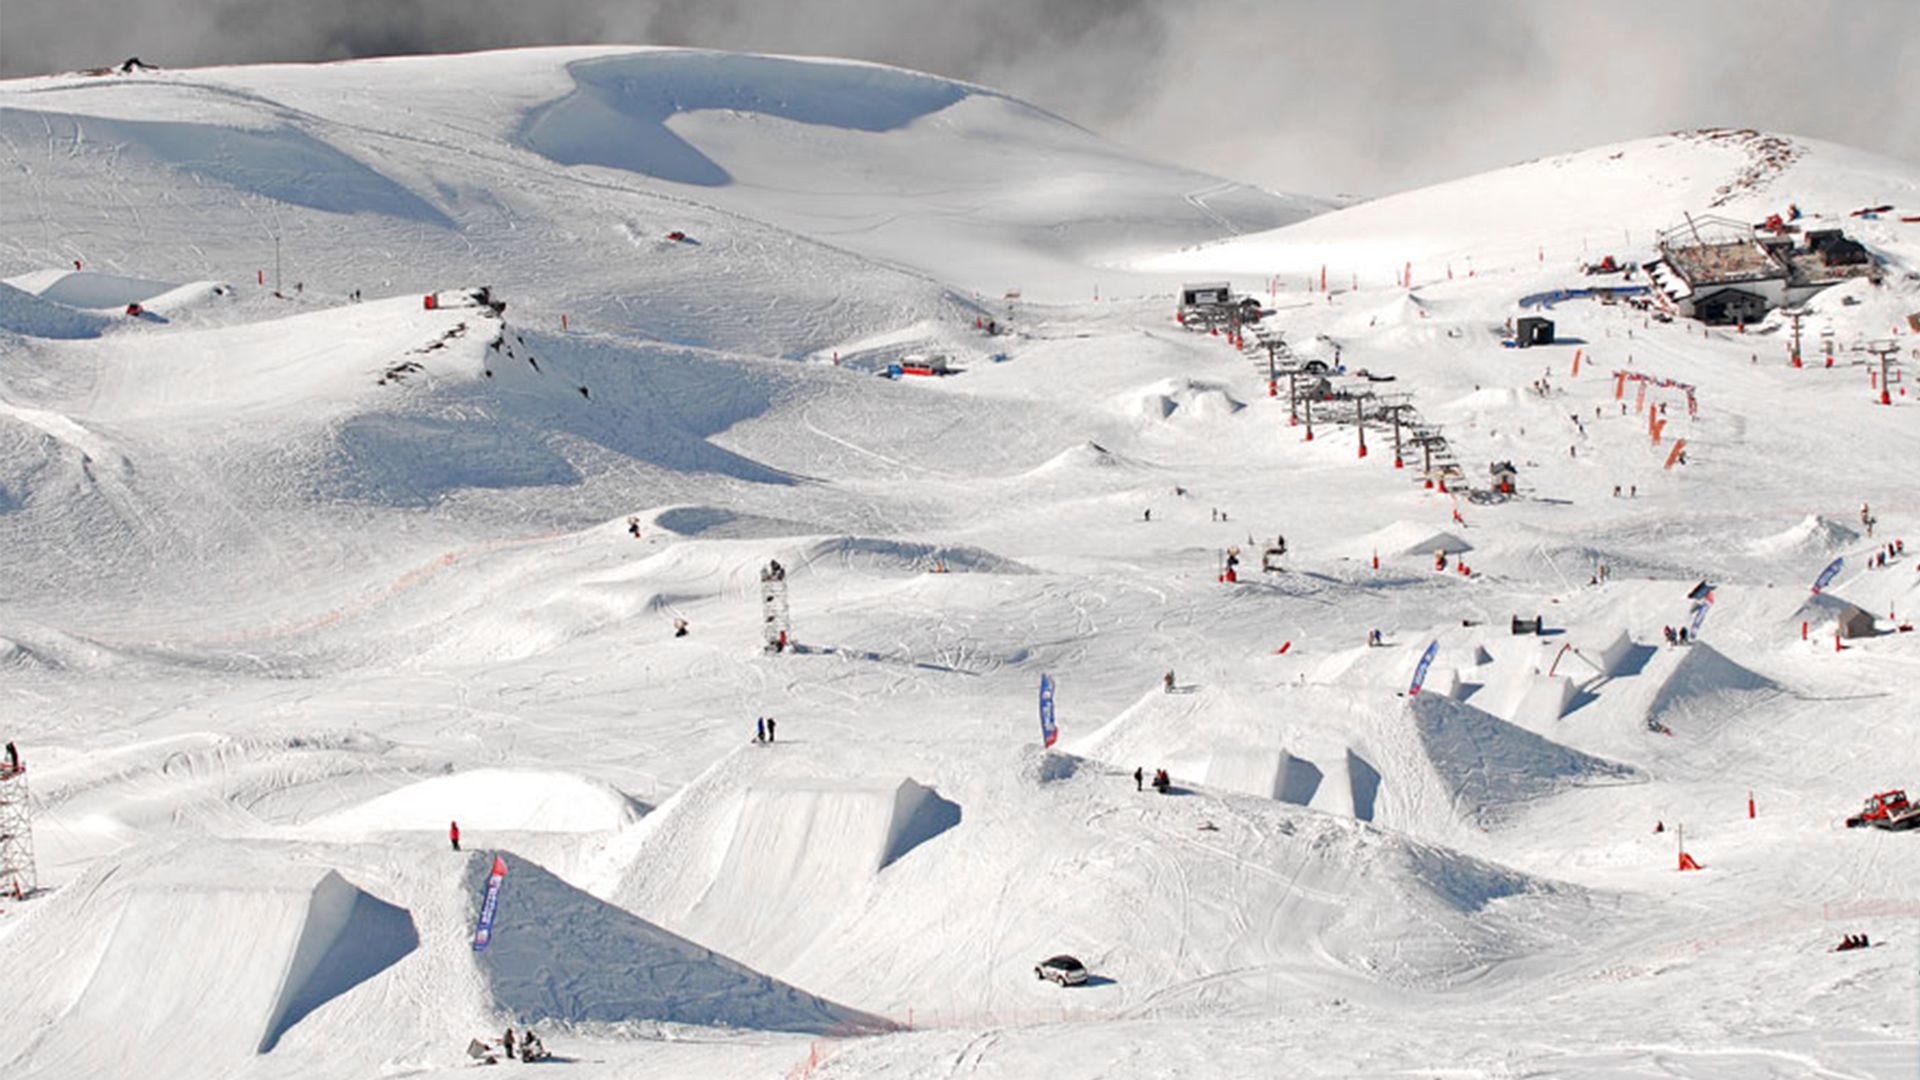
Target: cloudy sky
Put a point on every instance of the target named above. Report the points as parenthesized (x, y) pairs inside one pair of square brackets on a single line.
[(1321, 96)]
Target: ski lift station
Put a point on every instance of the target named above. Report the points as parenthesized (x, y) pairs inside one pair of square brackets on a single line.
[(1724, 272), (1211, 294)]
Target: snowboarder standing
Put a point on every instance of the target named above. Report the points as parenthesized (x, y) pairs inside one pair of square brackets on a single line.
[(770, 723), (453, 834), (1166, 682), (1139, 778), (13, 757), (760, 730), (508, 1042)]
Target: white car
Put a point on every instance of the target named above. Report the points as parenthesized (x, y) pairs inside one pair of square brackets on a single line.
[(1065, 970)]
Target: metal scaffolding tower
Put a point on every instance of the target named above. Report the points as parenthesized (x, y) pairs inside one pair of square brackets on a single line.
[(775, 625), (17, 876)]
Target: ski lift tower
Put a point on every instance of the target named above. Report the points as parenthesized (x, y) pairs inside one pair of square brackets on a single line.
[(1885, 350), (774, 622), (17, 876)]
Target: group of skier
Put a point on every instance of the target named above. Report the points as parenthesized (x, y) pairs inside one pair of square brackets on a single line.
[(763, 729), (1889, 551), (527, 1047), (1161, 782)]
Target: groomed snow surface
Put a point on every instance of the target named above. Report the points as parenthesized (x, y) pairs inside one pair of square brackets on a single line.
[(298, 573)]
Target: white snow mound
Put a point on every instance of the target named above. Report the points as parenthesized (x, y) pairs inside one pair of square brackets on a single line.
[(1406, 538), (1492, 767), (559, 955), (1705, 690), (1812, 535), (172, 970), (493, 800)]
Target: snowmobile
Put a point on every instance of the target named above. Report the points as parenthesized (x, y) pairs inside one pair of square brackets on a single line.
[(1887, 810)]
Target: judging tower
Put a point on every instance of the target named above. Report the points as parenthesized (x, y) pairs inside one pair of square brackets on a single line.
[(17, 876)]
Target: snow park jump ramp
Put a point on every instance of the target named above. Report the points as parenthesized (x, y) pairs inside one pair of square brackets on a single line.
[(1705, 690), (812, 843), (215, 957), (1492, 768), (559, 955)]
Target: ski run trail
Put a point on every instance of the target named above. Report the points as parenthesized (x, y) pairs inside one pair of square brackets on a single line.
[(297, 569)]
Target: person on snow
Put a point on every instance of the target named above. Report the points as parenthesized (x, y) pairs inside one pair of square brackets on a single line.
[(1139, 778), (1166, 682), (680, 628), (508, 1041), (770, 723), (13, 757), (760, 730), (531, 1048), (1160, 781), (1147, 514), (453, 834)]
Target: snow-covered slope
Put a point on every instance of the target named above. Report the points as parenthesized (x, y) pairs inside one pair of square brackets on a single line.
[(293, 578), (1573, 208)]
